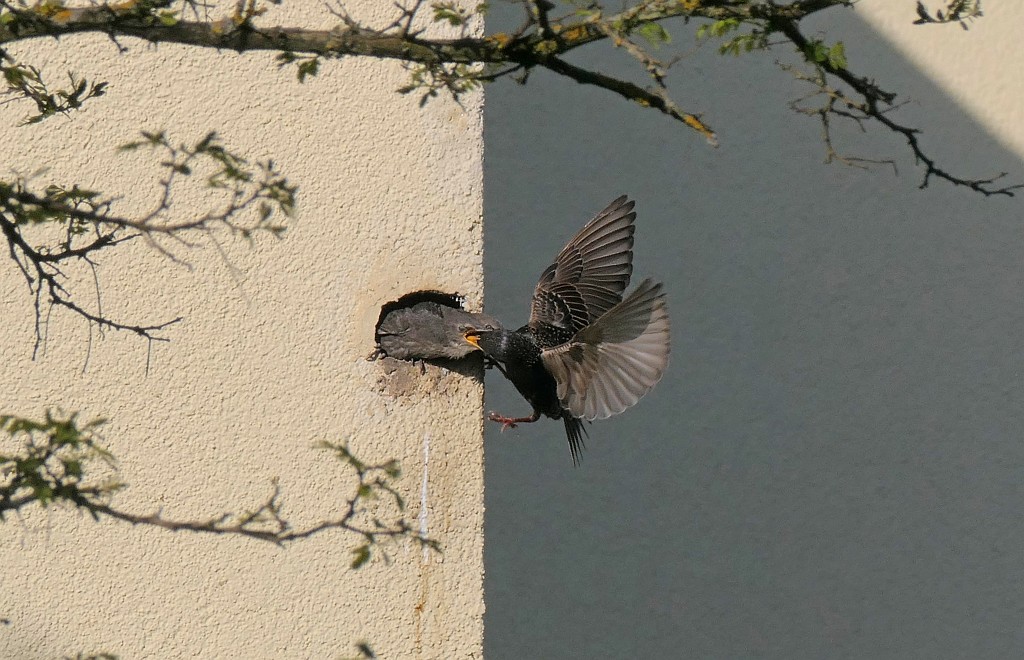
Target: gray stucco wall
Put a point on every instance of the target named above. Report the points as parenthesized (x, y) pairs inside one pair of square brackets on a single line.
[(833, 466)]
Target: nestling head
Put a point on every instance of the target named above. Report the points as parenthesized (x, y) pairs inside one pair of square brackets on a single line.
[(485, 336)]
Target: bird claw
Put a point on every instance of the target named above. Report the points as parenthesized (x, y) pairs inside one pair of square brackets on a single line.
[(506, 422)]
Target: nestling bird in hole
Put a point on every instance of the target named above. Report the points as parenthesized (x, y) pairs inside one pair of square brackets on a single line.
[(426, 325), (586, 353)]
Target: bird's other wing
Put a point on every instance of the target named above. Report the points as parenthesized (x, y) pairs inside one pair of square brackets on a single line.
[(609, 365), (590, 273)]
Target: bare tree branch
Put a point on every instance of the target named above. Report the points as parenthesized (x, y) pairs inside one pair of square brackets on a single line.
[(459, 65), (540, 47), (874, 104), (437, 65), (654, 99)]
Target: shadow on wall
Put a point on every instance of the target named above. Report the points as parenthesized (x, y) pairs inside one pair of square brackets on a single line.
[(833, 465)]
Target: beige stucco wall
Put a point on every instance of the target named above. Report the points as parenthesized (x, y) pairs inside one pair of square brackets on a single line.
[(976, 67), (268, 361)]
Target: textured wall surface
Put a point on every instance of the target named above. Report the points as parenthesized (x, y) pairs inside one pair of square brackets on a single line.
[(832, 466), (268, 360), (973, 66)]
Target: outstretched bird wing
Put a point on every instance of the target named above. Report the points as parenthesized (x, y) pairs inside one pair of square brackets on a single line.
[(610, 364), (589, 274)]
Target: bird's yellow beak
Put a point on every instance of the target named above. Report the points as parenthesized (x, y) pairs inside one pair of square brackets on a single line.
[(473, 337)]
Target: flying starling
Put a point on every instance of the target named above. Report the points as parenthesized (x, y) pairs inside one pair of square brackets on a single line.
[(586, 353)]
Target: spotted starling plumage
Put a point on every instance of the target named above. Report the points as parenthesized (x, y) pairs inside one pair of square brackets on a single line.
[(586, 353)]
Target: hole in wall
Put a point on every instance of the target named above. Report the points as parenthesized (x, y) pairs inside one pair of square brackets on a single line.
[(422, 325)]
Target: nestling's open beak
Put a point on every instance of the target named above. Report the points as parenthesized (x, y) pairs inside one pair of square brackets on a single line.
[(473, 338)]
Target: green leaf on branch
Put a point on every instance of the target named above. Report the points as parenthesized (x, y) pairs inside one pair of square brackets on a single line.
[(168, 18), (837, 56), (449, 12), (718, 28), (654, 33), (818, 52)]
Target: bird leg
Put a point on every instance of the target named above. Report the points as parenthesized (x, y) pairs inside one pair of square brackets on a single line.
[(510, 422)]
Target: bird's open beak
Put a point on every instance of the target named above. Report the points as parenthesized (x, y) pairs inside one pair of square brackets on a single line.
[(473, 338)]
